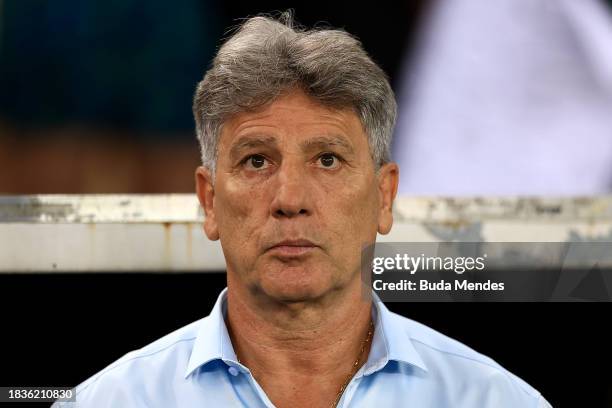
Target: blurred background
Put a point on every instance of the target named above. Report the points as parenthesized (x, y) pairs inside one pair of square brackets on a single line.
[(95, 96), (496, 97)]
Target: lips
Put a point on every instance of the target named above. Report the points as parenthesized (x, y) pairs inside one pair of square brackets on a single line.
[(292, 248)]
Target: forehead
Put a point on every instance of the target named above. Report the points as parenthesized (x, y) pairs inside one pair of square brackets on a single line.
[(299, 116)]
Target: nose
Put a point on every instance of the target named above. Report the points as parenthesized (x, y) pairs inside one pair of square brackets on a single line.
[(292, 195)]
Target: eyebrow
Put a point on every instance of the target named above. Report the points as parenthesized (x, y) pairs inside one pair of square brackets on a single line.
[(327, 142), (250, 142), (315, 143)]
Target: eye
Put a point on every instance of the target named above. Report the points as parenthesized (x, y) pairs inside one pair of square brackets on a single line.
[(328, 160), (256, 162)]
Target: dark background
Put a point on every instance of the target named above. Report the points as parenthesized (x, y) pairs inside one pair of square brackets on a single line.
[(133, 64), (99, 93), (60, 329)]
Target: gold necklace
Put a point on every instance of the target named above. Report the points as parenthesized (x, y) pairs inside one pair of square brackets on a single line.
[(355, 365), (354, 368)]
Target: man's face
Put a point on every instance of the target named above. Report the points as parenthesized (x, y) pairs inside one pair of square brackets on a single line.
[(295, 198)]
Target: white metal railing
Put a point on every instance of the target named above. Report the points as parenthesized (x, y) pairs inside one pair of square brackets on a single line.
[(115, 233)]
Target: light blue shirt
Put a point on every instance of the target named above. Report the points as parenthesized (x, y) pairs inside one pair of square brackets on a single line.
[(409, 365)]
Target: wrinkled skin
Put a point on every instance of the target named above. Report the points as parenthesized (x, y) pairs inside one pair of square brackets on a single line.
[(299, 173)]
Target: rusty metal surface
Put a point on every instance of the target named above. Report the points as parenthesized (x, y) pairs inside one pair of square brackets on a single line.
[(116, 233), (100, 208), (510, 208)]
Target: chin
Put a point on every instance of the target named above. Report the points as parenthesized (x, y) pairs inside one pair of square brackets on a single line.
[(296, 283)]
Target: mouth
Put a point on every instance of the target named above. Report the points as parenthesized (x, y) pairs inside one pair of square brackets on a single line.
[(292, 248)]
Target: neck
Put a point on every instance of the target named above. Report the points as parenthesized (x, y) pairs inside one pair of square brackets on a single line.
[(312, 344)]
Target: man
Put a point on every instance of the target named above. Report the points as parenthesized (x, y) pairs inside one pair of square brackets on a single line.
[(295, 128)]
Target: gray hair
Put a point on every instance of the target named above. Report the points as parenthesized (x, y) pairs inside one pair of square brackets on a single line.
[(267, 56)]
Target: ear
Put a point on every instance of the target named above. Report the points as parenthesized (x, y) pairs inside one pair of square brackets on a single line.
[(388, 178), (206, 194)]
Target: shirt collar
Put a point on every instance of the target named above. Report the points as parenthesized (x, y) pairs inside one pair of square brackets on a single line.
[(213, 341), (391, 341)]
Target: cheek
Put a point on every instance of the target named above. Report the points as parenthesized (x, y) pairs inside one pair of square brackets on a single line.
[(358, 202), (352, 209), (240, 209)]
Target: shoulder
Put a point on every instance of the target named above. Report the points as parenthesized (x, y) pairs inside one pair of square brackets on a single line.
[(463, 369), (151, 367)]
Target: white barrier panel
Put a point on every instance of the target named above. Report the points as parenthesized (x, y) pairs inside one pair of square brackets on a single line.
[(117, 233)]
